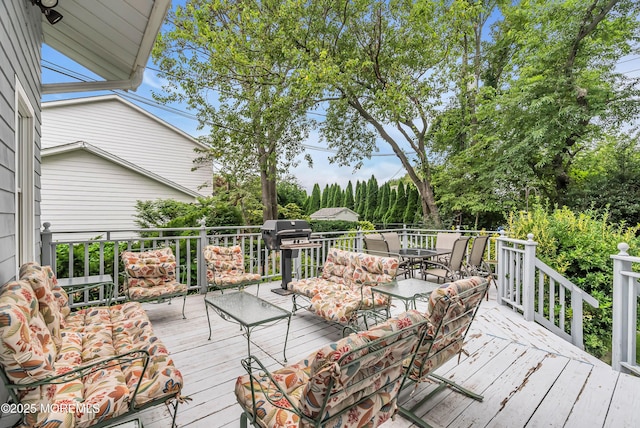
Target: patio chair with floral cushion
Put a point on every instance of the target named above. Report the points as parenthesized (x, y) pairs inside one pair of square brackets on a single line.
[(225, 268), (450, 311), (151, 276), (350, 383)]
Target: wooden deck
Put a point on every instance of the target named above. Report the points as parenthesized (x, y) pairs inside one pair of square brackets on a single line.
[(528, 376)]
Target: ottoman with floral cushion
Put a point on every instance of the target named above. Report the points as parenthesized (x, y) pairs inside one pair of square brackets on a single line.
[(151, 275), (350, 383), (343, 290), (83, 368), (225, 268)]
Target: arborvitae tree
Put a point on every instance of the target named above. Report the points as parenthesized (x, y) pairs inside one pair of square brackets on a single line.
[(325, 197), (362, 200), (412, 202), (401, 204), (356, 200), (383, 206), (372, 198), (337, 196), (347, 200), (314, 200), (393, 195)]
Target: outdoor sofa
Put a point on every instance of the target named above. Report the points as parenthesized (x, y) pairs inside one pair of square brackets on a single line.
[(343, 291), (83, 368)]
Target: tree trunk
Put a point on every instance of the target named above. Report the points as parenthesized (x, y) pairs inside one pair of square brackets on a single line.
[(269, 193), (427, 199)]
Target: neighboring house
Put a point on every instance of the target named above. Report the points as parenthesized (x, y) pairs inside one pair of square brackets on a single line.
[(111, 38), (102, 154), (340, 213)]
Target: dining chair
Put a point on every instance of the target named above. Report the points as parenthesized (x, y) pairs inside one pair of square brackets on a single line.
[(451, 270), (476, 264), (445, 241), (374, 244), (393, 243)]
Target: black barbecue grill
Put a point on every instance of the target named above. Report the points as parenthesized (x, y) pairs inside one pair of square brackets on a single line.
[(288, 236)]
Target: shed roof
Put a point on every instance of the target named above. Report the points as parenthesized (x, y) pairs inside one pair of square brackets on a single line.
[(332, 212)]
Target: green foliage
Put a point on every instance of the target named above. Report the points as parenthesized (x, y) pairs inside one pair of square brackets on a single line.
[(607, 179), (371, 201), (383, 206), (173, 214), (332, 225), (290, 192), (579, 246), (290, 211), (412, 205), (315, 201), (348, 200), (324, 202)]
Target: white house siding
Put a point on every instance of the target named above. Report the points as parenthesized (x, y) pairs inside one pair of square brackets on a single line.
[(104, 194), (121, 129), (20, 41)]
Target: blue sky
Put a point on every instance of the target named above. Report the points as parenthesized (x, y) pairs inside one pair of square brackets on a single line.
[(384, 167)]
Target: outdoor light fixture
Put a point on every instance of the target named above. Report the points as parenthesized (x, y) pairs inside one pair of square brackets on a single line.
[(46, 6)]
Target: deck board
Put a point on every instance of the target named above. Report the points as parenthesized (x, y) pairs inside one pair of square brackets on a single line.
[(528, 376)]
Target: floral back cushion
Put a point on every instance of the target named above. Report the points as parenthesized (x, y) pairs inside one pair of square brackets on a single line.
[(336, 266), (224, 259), (158, 266), (27, 351), (371, 368), (40, 280), (372, 270)]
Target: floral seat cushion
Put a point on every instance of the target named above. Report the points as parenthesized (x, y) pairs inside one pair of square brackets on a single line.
[(164, 289)]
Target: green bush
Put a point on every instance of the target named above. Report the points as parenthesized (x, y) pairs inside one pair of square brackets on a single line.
[(579, 246)]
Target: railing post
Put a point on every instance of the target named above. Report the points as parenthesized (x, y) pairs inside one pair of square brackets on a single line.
[(500, 260), (202, 266), (529, 278), (359, 241), (577, 335), (404, 236), (620, 335), (45, 252)]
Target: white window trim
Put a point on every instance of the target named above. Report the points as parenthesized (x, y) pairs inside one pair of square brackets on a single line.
[(25, 242)]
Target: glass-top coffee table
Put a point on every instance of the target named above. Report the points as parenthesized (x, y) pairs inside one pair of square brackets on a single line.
[(249, 311), (406, 290)]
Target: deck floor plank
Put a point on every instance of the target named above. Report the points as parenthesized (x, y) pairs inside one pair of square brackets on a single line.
[(528, 376)]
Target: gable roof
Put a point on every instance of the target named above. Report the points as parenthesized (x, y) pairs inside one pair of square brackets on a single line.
[(82, 145), (332, 212), (113, 97), (111, 38)]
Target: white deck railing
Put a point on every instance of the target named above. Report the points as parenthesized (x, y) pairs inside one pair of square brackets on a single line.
[(80, 255), (539, 292), (626, 288)]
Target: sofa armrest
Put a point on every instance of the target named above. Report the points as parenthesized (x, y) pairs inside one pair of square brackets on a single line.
[(274, 394), (89, 368), (109, 288)]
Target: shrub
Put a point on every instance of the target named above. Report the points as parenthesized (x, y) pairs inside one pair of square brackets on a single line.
[(579, 246)]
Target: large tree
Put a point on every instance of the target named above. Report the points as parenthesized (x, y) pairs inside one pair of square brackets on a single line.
[(225, 60), (382, 68)]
